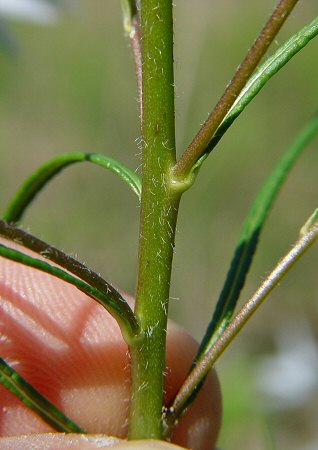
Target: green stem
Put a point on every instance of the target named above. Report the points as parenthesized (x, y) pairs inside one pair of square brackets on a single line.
[(200, 142), (159, 207), (262, 75)]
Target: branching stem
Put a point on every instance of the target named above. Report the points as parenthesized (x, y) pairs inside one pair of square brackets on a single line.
[(200, 142), (159, 207), (308, 235)]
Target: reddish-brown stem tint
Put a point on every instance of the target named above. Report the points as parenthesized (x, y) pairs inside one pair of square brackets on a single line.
[(135, 42), (308, 236), (58, 257), (200, 142)]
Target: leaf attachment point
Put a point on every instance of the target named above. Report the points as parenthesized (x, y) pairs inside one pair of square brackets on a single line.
[(199, 145)]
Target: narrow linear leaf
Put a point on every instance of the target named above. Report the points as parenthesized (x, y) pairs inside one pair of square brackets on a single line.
[(118, 307), (249, 237), (7, 41), (12, 381), (129, 9), (193, 156), (38, 179), (269, 437), (60, 258), (266, 71), (310, 222), (194, 381)]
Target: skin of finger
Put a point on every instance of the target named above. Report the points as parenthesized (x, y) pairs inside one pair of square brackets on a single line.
[(72, 351), (146, 445), (59, 441)]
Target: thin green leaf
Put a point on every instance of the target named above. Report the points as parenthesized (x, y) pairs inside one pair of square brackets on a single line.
[(248, 240), (132, 27), (60, 258), (312, 219), (129, 9), (193, 156), (12, 381), (269, 437), (271, 66), (117, 307), (199, 372), (37, 180), (7, 42)]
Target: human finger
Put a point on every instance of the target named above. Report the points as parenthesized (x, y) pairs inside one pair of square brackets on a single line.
[(72, 351), (58, 441)]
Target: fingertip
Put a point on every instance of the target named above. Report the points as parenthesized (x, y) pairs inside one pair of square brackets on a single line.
[(60, 441), (72, 351)]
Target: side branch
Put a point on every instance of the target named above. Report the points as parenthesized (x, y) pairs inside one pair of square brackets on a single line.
[(200, 142), (133, 30), (158, 215), (308, 236)]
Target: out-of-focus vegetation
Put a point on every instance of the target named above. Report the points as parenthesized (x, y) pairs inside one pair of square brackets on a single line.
[(71, 87)]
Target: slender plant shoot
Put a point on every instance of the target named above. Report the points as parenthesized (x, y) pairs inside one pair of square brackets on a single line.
[(164, 179), (308, 236)]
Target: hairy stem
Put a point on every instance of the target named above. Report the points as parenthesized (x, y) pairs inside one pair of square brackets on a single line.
[(200, 142), (159, 206), (132, 28), (135, 42)]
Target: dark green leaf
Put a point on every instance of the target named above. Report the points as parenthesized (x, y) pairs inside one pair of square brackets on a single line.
[(37, 180), (129, 9), (104, 294), (271, 66), (12, 381), (248, 240)]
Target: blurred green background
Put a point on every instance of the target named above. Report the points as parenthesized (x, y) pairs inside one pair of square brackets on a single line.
[(70, 86)]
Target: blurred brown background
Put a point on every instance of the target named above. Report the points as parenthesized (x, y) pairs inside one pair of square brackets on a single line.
[(69, 86)]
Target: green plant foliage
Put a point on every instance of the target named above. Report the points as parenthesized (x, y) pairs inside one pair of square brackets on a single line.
[(244, 252), (165, 178), (7, 43), (117, 307), (129, 9), (267, 70), (199, 372), (12, 381), (37, 180)]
